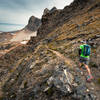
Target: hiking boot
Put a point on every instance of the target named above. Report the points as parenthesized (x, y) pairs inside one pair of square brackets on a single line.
[(89, 78)]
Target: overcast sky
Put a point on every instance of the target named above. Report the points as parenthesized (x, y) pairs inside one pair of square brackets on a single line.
[(19, 11)]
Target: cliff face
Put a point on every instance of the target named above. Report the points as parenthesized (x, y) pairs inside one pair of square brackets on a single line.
[(56, 18), (48, 68), (33, 23)]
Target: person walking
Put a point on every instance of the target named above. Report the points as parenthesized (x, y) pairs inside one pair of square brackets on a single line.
[(84, 57)]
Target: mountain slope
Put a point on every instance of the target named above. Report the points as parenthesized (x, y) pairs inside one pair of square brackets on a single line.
[(49, 71)]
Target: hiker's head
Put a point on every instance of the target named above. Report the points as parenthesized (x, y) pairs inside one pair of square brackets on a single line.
[(84, 42)]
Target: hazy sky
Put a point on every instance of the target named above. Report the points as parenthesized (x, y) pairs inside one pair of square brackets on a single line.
[(19, 11)]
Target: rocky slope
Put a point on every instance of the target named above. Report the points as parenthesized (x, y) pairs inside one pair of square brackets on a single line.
[(47, 68), (56, 18), (5, 37), (4, 42)]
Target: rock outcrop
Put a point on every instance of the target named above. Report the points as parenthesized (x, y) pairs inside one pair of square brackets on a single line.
[(46, 10), (54, 18), (33, 23)]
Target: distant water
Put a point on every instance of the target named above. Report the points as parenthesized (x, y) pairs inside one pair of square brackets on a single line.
[(6, 27)]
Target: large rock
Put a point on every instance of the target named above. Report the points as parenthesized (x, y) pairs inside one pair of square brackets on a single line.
[(62, 80), (67, 83), (46, 10)]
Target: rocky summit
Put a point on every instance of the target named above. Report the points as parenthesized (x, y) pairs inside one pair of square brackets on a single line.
[(47, 67), (33, 23)]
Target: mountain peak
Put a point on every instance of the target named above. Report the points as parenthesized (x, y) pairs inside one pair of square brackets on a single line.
[(33, 23), (46, 10)]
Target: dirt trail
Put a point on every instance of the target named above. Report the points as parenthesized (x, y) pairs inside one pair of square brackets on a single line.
[(92, 86), (68, 61), (7, 51)]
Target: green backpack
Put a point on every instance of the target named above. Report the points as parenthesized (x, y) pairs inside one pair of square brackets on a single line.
[(86, 50)]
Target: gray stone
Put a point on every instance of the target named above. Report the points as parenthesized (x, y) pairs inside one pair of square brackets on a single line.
[(62, 80)]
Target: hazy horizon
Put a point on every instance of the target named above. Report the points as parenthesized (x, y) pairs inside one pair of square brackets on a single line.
[(19, 11), (6, 27)]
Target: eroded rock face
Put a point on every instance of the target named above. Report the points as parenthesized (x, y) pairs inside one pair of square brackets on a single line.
[(49, 21), (33, 23), (46, 10), (62, 80), (54, 18)]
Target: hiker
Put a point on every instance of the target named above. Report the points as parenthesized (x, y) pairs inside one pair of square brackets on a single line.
[(84, 54)]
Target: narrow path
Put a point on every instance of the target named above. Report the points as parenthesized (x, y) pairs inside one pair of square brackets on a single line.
[(68, 61), (92, 86), (12, 48)]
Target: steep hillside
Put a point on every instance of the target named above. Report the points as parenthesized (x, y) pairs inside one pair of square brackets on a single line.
[(47, 68), (56, 18)]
